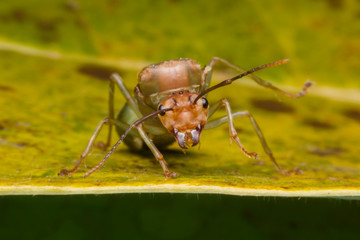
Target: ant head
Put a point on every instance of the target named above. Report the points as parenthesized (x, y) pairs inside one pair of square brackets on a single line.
[(187, 119)]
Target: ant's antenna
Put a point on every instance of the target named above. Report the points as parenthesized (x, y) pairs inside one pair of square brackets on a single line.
[(133, 125), (229, 81)]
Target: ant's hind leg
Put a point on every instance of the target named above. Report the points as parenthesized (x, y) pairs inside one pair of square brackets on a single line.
[(111, 117), (115, 78), (207, 72), (86, 152)]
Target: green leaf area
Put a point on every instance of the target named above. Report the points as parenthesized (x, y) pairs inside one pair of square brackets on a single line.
[(49, 109), (321, 38)]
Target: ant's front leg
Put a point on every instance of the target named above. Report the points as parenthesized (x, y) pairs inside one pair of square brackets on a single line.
[(218, 121), (156, 153), (264, 144), (148, 142), (115, 78)]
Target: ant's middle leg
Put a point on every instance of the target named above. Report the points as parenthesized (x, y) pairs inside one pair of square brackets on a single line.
[(107, 121), (156, 153), (116, 79)]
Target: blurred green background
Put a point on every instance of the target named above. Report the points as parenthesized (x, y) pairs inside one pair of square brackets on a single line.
[(177, 216), (322, 39)]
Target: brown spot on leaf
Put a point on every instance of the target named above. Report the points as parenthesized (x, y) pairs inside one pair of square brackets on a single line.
[(335, 4), (46, 26), (353, 114), (18, 15), (15, 15), (48, 29), (6, 88), (318, 124), (326, 151), (272, 105), (22, 144), (5, 123), (98, 71)]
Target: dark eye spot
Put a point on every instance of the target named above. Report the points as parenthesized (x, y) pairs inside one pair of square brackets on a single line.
[(161, 107), (181, 92), (205, 103)]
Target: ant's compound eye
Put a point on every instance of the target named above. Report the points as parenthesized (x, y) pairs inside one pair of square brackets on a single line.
[(161, 107), (205, 103)]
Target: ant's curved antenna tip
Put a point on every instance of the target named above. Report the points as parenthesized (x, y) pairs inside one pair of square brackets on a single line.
[(273, 64), (283, 61)]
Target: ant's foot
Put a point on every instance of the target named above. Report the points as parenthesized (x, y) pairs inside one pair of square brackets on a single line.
[(254, 155), (171, 174), (64, 172)]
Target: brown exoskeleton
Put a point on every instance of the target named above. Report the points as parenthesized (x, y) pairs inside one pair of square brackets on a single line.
[(174, 91)]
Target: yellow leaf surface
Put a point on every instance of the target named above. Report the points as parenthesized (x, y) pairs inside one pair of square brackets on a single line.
[(51, 107)]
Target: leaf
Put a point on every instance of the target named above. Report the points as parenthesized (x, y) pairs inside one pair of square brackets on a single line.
[(55, 58), (51, 107)]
